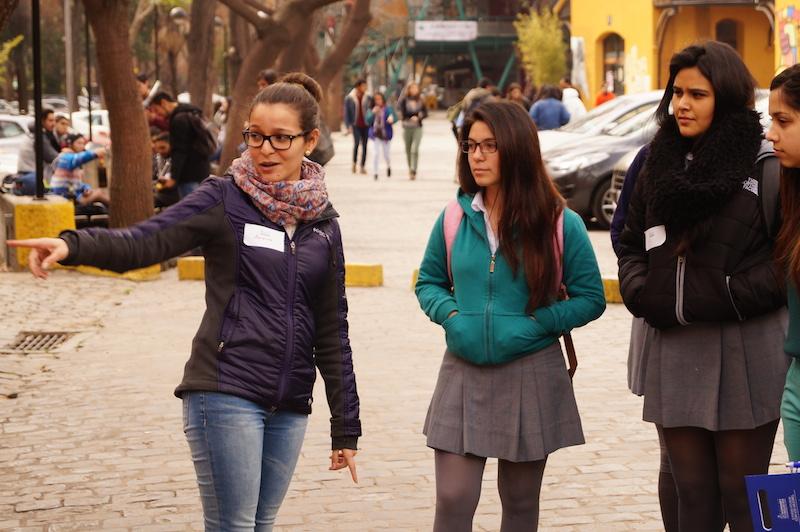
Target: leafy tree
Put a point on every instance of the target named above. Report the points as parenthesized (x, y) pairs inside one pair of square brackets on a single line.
[(5, 54), (541, 45)]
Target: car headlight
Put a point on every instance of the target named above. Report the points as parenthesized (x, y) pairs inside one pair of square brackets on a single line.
[(569, 164)]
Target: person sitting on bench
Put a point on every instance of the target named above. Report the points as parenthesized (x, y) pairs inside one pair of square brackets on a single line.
[(67, 177)]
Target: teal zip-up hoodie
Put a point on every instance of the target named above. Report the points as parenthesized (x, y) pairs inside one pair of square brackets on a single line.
[(492, 325)]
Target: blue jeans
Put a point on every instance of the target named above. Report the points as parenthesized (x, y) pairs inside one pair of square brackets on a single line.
[(244, 456), (184, 189)]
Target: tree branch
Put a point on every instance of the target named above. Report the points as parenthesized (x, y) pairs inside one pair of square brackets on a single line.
[(258, 7), (263, 25), (245, 9), (310, 5), (143, 10), (357, 22)]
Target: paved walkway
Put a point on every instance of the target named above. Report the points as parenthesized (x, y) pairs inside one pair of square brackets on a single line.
[(91, 439)]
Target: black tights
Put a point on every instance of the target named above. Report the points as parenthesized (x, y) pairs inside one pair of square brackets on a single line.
[(710, 465), (458, 490)]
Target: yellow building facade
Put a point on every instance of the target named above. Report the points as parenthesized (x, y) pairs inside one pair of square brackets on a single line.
[(628, 43)]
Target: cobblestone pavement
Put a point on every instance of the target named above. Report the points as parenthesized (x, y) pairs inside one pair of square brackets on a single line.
[(91, 439)]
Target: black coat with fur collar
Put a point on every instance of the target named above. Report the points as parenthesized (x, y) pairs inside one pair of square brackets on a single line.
[(695, 246)]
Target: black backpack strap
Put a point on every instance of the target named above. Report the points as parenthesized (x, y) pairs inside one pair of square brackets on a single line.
[(770, 192)]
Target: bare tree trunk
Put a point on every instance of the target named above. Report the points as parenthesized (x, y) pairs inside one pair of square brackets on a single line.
[(265, 52), (201, 52), (6, 8), (131, 192), (284, 28), (329, 74), (292, 58), (143, 10), (332, 106), (357, 22)]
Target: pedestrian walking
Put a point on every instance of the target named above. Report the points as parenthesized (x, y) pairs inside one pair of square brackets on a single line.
[(784, 108), (695, 261), (412, 112), (380, 119), (276, 308), (573, 104), (356, 106), (514, 94), (549, 112), (503, 388)]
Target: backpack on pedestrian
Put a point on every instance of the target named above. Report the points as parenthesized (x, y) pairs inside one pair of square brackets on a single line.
[(205, 141)]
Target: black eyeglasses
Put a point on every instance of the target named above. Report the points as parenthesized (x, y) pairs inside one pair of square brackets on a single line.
[(487, 146), (279, 142)]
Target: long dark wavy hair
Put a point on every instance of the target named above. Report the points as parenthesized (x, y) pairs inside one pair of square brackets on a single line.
[(531, 202), (733, 84), (787, 246)]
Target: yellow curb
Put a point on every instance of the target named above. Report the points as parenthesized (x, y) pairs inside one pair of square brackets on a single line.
[(191, 269), (363, 275), (149, 273), (611, 288)]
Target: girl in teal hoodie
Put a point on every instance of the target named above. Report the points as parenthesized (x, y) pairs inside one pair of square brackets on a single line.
[(503, 389), (784, 108)]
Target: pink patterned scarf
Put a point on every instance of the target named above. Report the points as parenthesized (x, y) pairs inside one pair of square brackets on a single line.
[(283, 202)]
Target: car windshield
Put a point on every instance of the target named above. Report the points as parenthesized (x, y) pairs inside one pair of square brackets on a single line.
[(637, 119), (594, 118)]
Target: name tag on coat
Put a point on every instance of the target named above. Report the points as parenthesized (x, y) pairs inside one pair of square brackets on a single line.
[(654, 237), (263, 237)]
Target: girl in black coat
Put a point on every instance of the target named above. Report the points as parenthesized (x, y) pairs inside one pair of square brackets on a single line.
[(695, 261)]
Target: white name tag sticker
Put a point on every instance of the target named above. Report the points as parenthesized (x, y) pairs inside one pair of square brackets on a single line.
[(263, 237), (654, 237)]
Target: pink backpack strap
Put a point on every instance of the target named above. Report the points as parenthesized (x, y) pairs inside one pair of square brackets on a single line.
[(452, 219), (558, 242)]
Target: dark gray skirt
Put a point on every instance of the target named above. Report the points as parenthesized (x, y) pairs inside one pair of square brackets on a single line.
[(520, 411), (716, 376)]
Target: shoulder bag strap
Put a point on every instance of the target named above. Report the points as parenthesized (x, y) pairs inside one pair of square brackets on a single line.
[(569, 346), (452, 219)]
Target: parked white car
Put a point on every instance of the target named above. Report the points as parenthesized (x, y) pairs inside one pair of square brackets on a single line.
[(101, 129), (14, 133)]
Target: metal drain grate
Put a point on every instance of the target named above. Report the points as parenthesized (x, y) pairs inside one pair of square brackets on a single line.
[(37, 342)]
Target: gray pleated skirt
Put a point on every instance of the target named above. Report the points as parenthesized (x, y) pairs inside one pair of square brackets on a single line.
[(716, 376), (520, 411), (637, 359)]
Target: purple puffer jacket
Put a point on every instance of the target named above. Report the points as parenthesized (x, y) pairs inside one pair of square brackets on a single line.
[(271, 315)]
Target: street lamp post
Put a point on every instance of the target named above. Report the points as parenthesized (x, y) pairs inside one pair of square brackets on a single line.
[(88, 71), (38, 138)]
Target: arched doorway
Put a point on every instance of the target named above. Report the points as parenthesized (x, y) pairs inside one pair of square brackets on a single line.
[(614, 63)]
